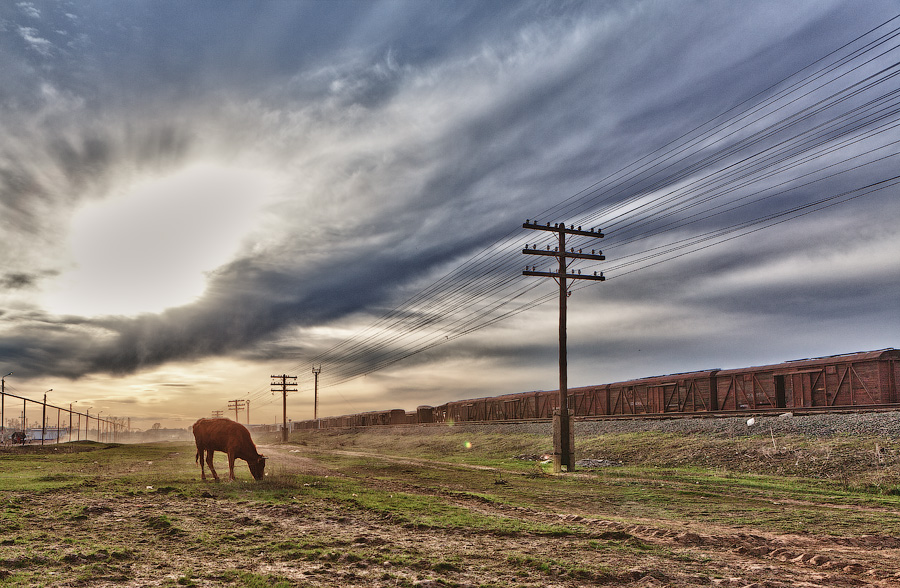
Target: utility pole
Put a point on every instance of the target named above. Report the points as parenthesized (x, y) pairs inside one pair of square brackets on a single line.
[(2, 403), (248, 411), (316, 372), (562, 426), (217, 414), (286, 381), (236, 406), (44, 417)]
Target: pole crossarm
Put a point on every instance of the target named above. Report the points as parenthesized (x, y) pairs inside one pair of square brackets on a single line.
[(594, 255), (596, 277), (556, 228)]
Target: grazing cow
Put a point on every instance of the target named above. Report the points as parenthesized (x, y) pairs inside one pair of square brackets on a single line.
[(18, 437), (229, 437)]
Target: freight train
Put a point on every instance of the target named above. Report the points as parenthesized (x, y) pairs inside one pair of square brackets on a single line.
[(861, 380)]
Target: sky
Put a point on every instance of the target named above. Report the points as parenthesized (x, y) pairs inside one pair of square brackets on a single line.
[(195, 197)]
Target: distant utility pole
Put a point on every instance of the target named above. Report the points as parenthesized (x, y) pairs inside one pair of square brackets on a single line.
[(236, 406), (562, 426), (3, 402), (286, 381), (248, 411), (217, 414), (316, 372), (44, 417)]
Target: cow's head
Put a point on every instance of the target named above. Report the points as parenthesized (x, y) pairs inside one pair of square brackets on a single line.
[(257, 466)]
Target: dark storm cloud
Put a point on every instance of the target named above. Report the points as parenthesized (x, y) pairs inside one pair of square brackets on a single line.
[(246, 304), (16, 281)]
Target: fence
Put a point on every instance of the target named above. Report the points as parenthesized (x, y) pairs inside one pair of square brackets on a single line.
[(86, 428)]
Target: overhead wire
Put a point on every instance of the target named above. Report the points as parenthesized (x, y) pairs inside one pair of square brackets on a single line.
[(488, 287)]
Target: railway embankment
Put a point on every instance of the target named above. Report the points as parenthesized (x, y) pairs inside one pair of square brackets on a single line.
[(876, 424)]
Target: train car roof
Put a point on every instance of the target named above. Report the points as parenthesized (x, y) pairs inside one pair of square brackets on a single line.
[(795, 364)]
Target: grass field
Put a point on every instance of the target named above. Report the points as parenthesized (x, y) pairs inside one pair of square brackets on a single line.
[(445, 507)]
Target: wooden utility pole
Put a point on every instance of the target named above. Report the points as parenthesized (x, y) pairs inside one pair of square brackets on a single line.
[(316, 372), (44, 417), (3, 403), (562, 426), (236, 406), (284, 390), (217, 414)]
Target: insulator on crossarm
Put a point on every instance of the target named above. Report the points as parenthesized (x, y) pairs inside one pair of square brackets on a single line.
[(579, 227), (579, 251)]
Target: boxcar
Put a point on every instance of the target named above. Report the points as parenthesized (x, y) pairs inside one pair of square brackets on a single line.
[(855, 379)]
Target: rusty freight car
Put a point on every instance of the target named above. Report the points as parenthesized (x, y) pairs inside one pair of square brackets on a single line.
[(856, 379), (867, 378)]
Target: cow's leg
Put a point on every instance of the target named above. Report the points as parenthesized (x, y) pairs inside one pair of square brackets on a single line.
[(209, 462), (199, 459), (231, 459)]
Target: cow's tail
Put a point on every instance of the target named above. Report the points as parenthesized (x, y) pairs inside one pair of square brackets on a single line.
[(197, 459)]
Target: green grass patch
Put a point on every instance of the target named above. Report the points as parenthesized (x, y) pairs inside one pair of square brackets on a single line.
[(746, 480)]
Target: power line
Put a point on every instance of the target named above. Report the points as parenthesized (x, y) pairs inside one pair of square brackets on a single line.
[(828, 125)]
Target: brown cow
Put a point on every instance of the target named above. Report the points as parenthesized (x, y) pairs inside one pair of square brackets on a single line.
[(229, 437)]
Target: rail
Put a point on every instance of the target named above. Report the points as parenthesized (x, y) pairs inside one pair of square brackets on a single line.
[(744, 413)]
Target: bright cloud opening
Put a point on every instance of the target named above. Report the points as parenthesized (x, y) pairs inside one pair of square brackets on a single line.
[(151, 245)]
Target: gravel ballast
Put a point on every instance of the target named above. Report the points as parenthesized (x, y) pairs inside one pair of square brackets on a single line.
[(873, 424)]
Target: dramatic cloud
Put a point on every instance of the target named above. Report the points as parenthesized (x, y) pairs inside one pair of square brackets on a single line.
[(188, 187)]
